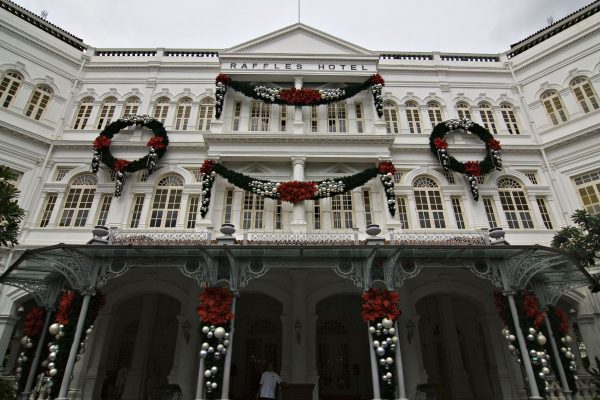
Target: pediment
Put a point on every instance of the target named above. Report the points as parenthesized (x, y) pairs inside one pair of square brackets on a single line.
[(256, 168), (339, 169), (298, 39)]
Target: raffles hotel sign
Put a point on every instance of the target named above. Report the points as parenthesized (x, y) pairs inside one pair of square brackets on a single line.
[(249, 66)]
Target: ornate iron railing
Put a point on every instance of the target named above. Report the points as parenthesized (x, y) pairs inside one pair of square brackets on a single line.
[(440, 238), (151, 238), (290, 238)]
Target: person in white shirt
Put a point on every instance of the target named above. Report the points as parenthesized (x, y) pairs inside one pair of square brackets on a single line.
[(268, 384)]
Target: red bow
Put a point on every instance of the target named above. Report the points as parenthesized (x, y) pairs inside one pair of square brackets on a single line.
[(380, 303), (215, 306)]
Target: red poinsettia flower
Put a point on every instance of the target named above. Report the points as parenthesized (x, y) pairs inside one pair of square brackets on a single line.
[(380, 303), (223, 78), (440, 143), (386, 167), (101, 142), (300, 97), (472, 168), (377, 80), (207, 166), (34, 322), (121, 165), (538, 319), (494, 144), (296, 191), (215, 306), (156, 142), (564, 321), (64, 307)]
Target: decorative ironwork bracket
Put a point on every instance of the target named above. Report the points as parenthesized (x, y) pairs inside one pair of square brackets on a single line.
[(44, 293)]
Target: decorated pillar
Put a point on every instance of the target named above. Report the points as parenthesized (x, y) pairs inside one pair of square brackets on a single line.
[(374, 368), (400, 368), (36, 359), (559, 365), (298, 223), (227, 367)]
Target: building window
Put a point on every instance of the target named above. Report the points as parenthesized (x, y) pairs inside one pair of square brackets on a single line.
[(144, 175), (510, 118), (61, 173), (390, 115), (38, 102), (336, 117), (458, 212), (83, 113), (161, 108), (588, 187), (428, 199), (402, 211), (360, 118), (237, 115), (413, 116), (342, 211), (532, 176), (9, 86), (48, 208), (514, 203), (490, 212), (398, 176), (487, 117), (78, 201), (105, 203), (317, 215), (253, 211), (584, 93), (136, 210), (541, 202), (131, 106), (283, 118), (182, 114), (227, 206), (260, 115), (554, 107), (166, 202), (192, 214), (368, 207), (463, 110), (314, 119), (434, 110), (278, 215), (106, 112), (205, 114), (450, 177), (480, 179)]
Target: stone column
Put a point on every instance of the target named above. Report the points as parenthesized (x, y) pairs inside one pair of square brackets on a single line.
[(299, 222), (7, 325), (590, 333), (298, 326)]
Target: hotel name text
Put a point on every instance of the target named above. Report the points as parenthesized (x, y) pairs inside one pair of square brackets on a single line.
[(250, 66)]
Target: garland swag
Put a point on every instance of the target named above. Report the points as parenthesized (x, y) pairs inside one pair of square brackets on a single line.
[(34, 323), (296, 191), (298, 97), (560, 329), (157, 148), (472, 169)]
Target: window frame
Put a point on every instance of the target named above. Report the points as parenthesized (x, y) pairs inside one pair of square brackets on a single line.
[(38, 102), (9, 91), (170, 196)]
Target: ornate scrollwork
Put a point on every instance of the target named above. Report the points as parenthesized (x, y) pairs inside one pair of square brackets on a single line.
[(352, 270), (407, 269), (44, 293), (197, 270), (483, 270), (251, 269), (111, 270), (522, 267)]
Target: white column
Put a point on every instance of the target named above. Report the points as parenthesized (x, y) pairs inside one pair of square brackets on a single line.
[(7, 325), (374, 368), (399, 367), (36, 358), (298, 223), (200, 385), (227, 366), (561, 372)]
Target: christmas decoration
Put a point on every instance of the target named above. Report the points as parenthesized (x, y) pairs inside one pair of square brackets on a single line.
[(34, 323), (471, 169), (298, 97), (560, 329), (11, 214), (157, 146), (296, 191)]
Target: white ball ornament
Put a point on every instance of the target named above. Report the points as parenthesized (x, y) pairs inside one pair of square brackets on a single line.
[(541, 339), (568, 339), (511, 347), (382, 361), (205, 329), (392, 331), (205, 346), (380, 351), (505, 332), (389, 361), (24, 340), (512, 338), (372, 329), (531, 330), (54, 329), (214, 370), (376, 343), (53, 372), (569, 355), (546, 370), (207, 373), (219, 333), (387, 323)]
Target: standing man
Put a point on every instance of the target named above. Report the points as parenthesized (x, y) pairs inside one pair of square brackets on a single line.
[(268, 384)]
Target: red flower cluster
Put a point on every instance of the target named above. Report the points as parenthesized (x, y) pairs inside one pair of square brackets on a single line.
[(300, 97), (564, 321), (386, 167), (121, 165), (499, 301), (472, 168), (494, 144), (223, 78), (215, 305), (296, 191), (157, 142), (34, 322), (440, 143), (380, 303), (531, 306), (207, 166), (377, 79), (64, 307), (101, 142)]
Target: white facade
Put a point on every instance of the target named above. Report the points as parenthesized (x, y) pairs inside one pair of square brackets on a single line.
[(540, 101)]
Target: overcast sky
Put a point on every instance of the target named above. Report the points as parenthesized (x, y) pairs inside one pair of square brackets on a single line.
[(470, 26)]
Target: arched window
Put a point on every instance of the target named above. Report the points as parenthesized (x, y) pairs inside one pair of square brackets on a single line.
[(390, 115), (586, 97), (205, 114), (413, 116), (83, 114), (166, 202), (336, 117), (514, 203), (434, 110), (38, 102), (554, 107), (78, 201), (106, 112), (463, 110), (131, 107), (182, 114), (428, 199), (11, 81), (487, 117), (510, 118), (161, 108)]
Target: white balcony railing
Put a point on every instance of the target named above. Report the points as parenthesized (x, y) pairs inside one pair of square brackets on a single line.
[(157, 238), (440, 238)]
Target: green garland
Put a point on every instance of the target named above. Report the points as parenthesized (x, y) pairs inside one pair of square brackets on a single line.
[(560, 330), (439, 148)]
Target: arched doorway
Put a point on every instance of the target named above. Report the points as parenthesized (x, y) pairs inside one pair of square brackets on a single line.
[(257, 342), (456, 352), (342, 349)]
